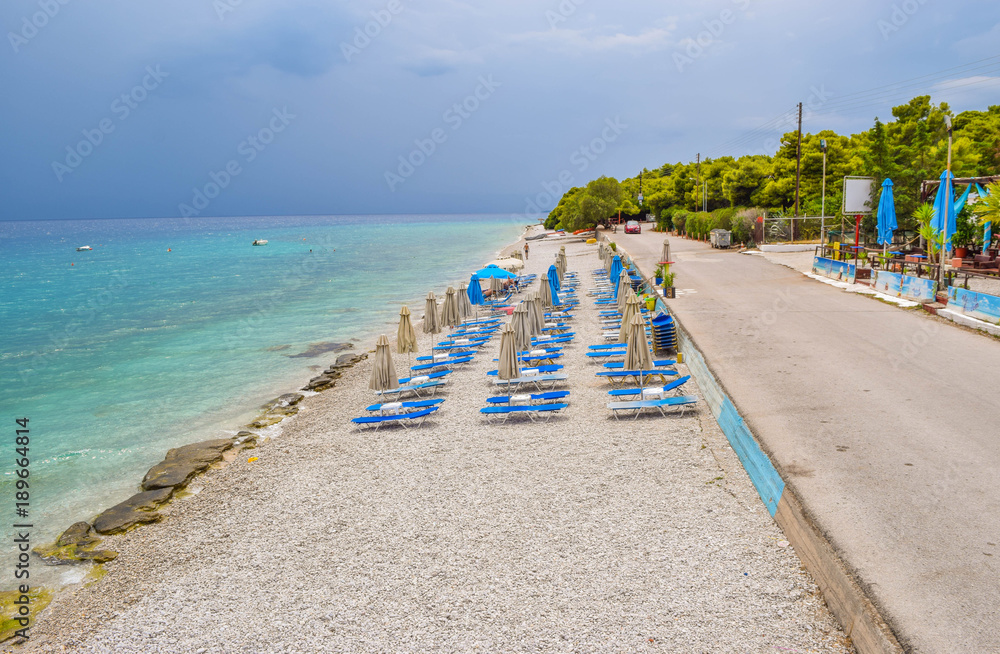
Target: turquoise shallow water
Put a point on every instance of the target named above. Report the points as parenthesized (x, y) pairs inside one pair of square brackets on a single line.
[(172, 331)]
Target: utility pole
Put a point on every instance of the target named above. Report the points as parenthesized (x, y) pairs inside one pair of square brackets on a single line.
[(822, 218), (697, 174), (798, 163), (798, 173)]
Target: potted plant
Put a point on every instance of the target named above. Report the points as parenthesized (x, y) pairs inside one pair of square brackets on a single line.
[(924, 214), (660, 269), (966, 233), (668, 282)]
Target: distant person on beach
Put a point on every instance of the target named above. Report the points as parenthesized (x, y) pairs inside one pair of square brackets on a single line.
[(525, 251)]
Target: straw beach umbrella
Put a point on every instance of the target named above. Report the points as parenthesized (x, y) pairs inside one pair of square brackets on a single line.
[(406, 336), (562, 262), (632, 308), (431, 323), (449, 309), (508, 367), (464, 305), (637, 356), (383, 372), (522, 327)]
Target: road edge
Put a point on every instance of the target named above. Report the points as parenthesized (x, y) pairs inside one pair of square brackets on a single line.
[(850, 605)]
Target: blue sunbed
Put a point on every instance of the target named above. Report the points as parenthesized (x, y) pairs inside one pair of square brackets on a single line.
[(396, 406), (537, 380), (662, 363), (540, 370), (674, 385), (638, 406), (533, 411), (414, 418), (548, 396)]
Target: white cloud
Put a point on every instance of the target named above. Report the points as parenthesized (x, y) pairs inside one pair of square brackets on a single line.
[(590, 41)]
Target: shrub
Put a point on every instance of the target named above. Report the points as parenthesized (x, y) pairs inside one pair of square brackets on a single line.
[(680, 221), (743, 225)]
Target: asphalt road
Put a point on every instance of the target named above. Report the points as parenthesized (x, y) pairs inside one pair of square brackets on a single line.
[(884, 421)]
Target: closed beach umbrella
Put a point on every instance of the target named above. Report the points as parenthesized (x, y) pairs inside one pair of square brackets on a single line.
[(665, 253), (449, 309), (431, 323), (632, 308), (406, 336), (553, 291), (537, 313), (508, 368), (475, 290), (637, 356), (621, 292), (562, 263), (383, 372), (546, 294), (886, 214), (616, 270), (464, 305), (522, 327), (553, 277), (944, 210)]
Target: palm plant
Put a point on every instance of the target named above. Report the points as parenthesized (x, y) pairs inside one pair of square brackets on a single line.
[(987, 209), (924, 214)]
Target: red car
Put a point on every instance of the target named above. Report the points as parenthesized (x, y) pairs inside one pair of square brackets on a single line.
[(632, 227)]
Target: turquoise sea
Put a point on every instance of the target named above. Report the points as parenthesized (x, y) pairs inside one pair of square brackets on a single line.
[(177, 330)]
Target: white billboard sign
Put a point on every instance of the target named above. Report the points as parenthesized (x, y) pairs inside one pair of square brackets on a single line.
[(858, 195)]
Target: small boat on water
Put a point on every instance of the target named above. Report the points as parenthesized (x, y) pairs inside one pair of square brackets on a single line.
[(259, 241), (83, 248)]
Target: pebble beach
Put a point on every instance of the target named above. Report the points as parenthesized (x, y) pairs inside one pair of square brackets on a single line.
[(579, 534)]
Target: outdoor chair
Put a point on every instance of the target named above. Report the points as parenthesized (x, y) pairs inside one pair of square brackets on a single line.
[(650, 393), (681, 402), (532, 411), (414, 418)]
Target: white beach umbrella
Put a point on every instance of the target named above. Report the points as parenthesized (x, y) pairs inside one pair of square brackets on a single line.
[(632, 308), (508, 264), (406, 336), (522, 327), (546, 294), (624, 288), (464, 305), (637, 356), (431, 323), (536, 313), (508, 367), (383, 371), (449, 309)]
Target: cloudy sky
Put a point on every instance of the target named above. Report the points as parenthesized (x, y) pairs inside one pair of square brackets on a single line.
[(118, 108)]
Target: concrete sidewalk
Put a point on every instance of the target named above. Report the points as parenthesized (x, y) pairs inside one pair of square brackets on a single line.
[(883, 421)]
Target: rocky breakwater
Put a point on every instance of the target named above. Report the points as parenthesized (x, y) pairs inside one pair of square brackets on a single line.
[(78, 544), (330, 376)]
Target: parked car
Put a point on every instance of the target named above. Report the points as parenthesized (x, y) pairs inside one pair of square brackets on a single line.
[(632, 227)]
